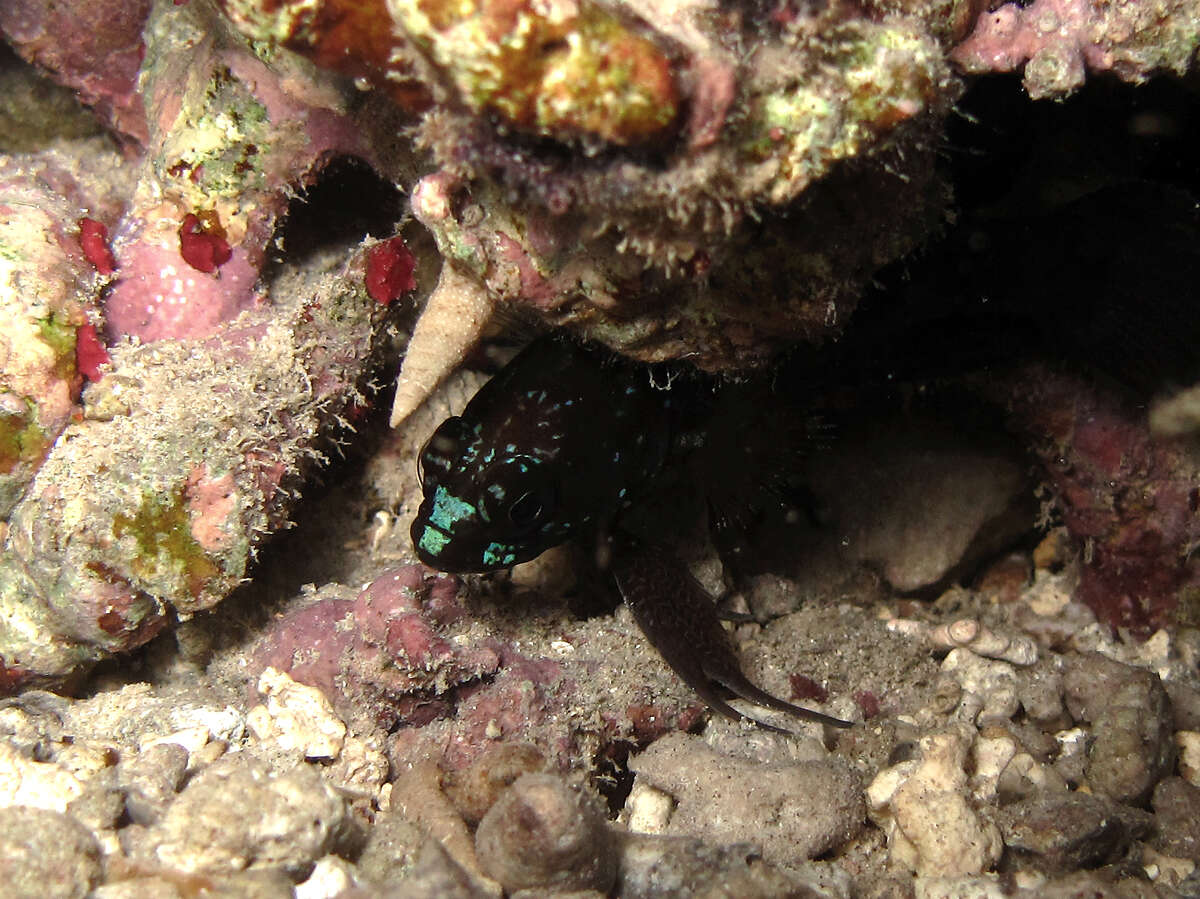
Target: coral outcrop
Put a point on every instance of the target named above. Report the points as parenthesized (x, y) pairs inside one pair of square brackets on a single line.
[(189, 330)]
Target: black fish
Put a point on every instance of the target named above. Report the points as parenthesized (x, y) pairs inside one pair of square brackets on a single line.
[(559, 445)]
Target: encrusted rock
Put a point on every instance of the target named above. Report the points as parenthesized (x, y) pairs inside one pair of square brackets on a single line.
[(792, 811), (1060, 833), (1132, 746), (1177, 818), (1057, 43), (656, 867), (544, 834), (237, 814), (46, 855)]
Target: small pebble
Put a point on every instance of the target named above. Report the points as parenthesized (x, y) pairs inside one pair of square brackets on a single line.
[(542, 833), (474, 789), (46, 855), (1177, 816), (1132, 744), (1065, 831), (237, 814), (151, 779)]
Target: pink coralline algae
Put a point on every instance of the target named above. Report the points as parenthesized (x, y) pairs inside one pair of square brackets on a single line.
[(1058, 41), (1127, 498), (229, 141), (380, 657), (404, 655)]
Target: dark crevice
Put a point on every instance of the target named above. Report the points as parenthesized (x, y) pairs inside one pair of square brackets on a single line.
[(346, 203)]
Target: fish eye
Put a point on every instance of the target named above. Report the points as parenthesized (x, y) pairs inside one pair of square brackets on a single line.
[(519, 495), (529, 509)]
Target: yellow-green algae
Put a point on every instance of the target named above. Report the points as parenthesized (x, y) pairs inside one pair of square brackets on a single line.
[(60, 333), (162, 528), (875, 78), (559, 70), (22, 440)]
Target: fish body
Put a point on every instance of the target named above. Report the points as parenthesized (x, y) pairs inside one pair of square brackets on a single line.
[(552, 448), (557, 446)]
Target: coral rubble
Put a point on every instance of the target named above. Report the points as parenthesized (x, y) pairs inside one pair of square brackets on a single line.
[(188, 333)]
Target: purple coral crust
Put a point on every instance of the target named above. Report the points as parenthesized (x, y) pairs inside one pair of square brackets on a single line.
[(1057, 40), (1128, 499), (384, 659), (93, 47), (380, 653)]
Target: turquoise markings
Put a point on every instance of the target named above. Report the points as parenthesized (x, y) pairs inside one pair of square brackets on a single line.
[(499, 554), (432, 541), (449, 510)]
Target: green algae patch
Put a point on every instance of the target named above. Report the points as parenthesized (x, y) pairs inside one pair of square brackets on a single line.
[(59, 333), (166, 548), (22, 439)]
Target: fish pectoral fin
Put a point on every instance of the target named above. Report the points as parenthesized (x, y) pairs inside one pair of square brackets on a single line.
[(737, 684), (711, 691), (680, 620)]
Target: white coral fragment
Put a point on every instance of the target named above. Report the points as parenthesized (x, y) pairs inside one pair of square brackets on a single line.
[(992, 755), (44, 785), (648, 809), (296, 717), (982, 640), (989, 687), (331, 877), (1188, 742), (924, 809)]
